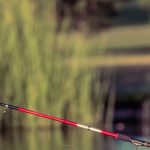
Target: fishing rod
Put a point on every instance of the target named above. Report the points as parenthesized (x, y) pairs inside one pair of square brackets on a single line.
[(114, 135)]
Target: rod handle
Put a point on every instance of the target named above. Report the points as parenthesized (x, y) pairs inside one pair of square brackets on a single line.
[(134, 141), (140, 142)]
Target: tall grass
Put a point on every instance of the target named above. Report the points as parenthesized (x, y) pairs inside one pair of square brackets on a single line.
[(33, 69)]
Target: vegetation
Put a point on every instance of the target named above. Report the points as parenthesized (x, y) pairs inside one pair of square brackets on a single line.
[(95, 14), (33, 69), (40, 69)]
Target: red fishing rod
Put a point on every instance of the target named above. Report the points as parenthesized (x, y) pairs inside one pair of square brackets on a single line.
[(114, 135)]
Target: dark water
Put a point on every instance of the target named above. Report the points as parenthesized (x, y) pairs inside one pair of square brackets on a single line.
[(56, 140)]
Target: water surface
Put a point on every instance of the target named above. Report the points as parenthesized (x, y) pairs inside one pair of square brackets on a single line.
[(56, 140)]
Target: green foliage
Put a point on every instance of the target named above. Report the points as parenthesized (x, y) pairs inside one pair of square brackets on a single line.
[(33, 67)]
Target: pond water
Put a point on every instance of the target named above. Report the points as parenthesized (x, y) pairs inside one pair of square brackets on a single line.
[(56, 140)]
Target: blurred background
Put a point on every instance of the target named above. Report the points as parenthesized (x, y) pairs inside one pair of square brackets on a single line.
[(82, 60)]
